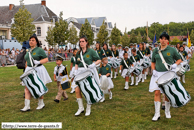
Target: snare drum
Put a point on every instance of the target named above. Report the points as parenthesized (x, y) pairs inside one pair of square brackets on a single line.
[(109, 62), (88, 86), (137, 69), (180, 70), (173, 89), (34, 83)]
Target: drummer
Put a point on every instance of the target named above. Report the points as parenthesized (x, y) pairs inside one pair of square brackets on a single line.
[(105, 69), (125, 64), (134, 58), (148, 53), (99, 50), (142, 53), (89, 56), (170, 54), (115, 55), (40, 57), (184, 56)]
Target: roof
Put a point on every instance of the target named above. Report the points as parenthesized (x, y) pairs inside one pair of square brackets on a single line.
[(38, 12), (110, 24), (78, 25), (181, 38)]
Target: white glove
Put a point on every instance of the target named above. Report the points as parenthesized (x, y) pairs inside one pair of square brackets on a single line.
[(174, 70), (181, 64), (36, 62), (155, 73), (93, 65), (75, 72), (120, 71), (174, 66)]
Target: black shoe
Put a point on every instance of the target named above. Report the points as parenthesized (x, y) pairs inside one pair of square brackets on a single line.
[(57, 101), (163, 107), (65, 99)]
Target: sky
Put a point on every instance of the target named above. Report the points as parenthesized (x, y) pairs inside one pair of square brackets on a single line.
[(128, 14)]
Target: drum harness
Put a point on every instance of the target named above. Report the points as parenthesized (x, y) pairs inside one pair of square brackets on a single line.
[(163, 60)]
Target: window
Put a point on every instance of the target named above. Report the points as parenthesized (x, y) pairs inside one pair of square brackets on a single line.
[(38, 31)]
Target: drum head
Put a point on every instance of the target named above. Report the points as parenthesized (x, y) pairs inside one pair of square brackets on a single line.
[(165, 78), (82, 75)]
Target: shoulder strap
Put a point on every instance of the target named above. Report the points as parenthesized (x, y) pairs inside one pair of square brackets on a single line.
[(113, 54), (104, 52), (163, 61), (125, 63), (182, 55), (30, 57), (74, 58), (83, 60), (140, 53), (133, 58)]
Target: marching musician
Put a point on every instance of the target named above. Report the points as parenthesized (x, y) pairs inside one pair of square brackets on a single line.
[(142, 53), (170, 54), (59, 71), (184, 56), (72, 70), (115, 55), (40, 58), (134, 58), (148, 53), (105, 69), (99, 51), (125, 64), (121, 51), (89, 56)]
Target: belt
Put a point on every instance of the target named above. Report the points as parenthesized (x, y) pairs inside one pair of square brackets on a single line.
[(39, 65)]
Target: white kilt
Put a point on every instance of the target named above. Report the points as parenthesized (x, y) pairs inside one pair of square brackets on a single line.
[(42, 73), (153, 85), (111, 85)]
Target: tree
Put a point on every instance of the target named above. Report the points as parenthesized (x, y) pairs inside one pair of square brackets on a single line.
[(73, 38), (175, 40), (133, 38), (125, 40), (61, 32), (102, 35), (86, 30), (139, 38), (144, 39), (22, 28), (192, 36), (50, 37), (115, 36)]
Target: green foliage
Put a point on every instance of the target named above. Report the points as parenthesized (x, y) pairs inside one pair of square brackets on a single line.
[(139, 38), (86, 30), (175, 40), (22, 28), (50, 37), (125, 40), (192, 36), (73, 38), (133, 38), (61, 32), (144, 39), (174, 29), (115, 36), (102, 35)]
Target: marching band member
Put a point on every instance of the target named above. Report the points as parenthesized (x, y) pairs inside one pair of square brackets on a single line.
[(99, 50), (72, 70), (125, 64), (58, 70), (107, 53), (184, 56), (134, 58), (128, 51), (150, 69), (155, 45), (115, 55), (142, 52), (89, 56), (177, 47), (105, 69), (121, 51), (40, 57), (170, 54), (148, 55)]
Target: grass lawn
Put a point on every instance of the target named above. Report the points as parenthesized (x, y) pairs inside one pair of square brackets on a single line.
[(131, 109)]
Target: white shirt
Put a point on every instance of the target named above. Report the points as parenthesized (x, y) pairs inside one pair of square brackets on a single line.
[(61, 68), (121, 53)]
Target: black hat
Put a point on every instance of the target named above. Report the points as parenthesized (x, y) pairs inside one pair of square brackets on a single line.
[(58, 57), (164, 34), (103, 56)]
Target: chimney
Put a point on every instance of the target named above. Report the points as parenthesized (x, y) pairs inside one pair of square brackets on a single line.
[(43, 2), (11, 6)]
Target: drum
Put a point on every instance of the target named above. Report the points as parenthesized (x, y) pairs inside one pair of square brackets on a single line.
[(104, 82), (147, 62), (115, 64), (180, 70), (186, 65), (34, 83), (109, 62), (88, 86), (138, 69), (173, 89)]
